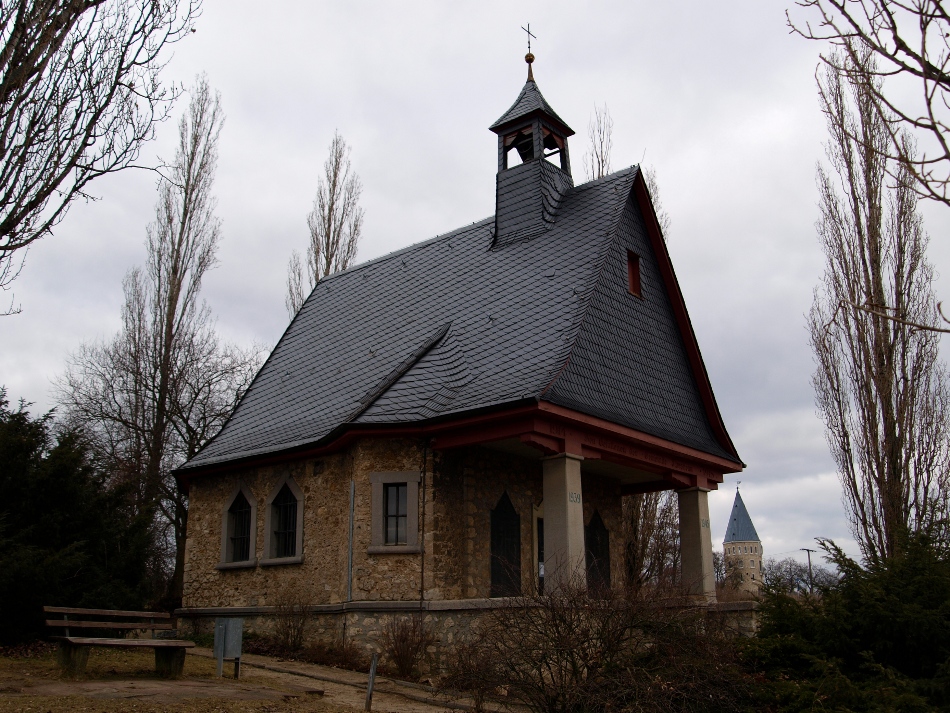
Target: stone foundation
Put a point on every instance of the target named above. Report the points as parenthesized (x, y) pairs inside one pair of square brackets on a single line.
[(449, 622)]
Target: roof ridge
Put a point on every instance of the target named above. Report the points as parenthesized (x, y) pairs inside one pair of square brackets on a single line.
[(395, 253), (607, 177), (615, 224)]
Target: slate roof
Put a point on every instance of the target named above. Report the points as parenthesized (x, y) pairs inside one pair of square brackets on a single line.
[(528, 102), (740, 527), (452, 325)]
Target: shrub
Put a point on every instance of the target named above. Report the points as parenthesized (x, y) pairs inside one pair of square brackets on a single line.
[(568, 652), (404, 641), (471, 671), (291, 617)]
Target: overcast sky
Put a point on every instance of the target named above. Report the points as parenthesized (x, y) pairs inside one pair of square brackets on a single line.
[(717, 97)]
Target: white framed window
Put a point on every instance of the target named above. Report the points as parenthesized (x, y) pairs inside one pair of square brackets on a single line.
[(238, 529), (394, 521), (283, 524)]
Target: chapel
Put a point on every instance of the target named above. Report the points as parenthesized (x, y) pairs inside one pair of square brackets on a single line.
[(457, 423)]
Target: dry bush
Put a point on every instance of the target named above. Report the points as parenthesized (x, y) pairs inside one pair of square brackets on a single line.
[(471, 671), (404, 641), (291, 617), (348, 656), (571, 653)]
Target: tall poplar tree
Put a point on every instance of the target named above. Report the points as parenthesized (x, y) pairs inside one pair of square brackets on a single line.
[(880, 386), (157, 392)]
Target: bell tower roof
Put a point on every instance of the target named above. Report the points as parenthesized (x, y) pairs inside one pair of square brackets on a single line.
[(529, 104), (740, 527)]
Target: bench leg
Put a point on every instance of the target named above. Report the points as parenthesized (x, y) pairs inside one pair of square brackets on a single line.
[(169, 663), (72, 659)]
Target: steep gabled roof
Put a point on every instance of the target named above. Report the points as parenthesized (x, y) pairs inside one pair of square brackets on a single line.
[(529, 103), (450, 326), (740, 527)]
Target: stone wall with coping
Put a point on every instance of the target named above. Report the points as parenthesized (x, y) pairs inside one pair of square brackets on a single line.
[(449, 623)]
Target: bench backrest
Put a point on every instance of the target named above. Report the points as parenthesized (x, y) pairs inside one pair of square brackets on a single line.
[(71, 617)]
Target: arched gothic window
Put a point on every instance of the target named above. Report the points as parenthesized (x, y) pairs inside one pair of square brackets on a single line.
[(505, 549), (284, 524), (238, 530), (597, 539)]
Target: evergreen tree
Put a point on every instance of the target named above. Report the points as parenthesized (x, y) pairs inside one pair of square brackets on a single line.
[(67, 536)]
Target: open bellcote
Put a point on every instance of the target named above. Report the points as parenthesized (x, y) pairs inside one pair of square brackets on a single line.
[(534, 165)]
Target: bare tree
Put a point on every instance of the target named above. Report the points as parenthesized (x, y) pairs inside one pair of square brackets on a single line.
[(911, 41), (79, 95), (794, 577), (335, 223), (649, 176), (600, 135), (651, 521), (597, 161), (155, 394), (880, 386)]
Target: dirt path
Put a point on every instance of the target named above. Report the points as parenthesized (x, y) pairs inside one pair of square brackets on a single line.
[(123, 681)]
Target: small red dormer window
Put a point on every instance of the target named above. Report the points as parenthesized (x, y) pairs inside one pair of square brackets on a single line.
[(633, 274)]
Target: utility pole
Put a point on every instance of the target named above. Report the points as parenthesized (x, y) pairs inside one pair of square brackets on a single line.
[(811, 579)]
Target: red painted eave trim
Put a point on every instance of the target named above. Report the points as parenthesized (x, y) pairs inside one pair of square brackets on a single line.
[(639, 437), (517, 421)]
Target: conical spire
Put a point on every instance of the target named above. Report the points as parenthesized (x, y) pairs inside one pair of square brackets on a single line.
[(740, 528)]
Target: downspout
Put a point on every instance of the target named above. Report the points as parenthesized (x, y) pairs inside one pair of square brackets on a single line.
[(422, 528), (349, 569), (349, 566)]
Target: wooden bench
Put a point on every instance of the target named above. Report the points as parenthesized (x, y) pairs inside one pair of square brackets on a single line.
[(74, 650)]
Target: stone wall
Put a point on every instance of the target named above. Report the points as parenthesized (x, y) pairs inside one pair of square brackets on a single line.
[(458, 492), (321, 576), (449, 622)]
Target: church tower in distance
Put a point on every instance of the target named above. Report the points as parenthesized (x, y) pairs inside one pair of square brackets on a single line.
[(742, 549)]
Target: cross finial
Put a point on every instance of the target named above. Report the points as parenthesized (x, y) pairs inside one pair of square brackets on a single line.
[(529, 58), (738, 483), (528, 30)]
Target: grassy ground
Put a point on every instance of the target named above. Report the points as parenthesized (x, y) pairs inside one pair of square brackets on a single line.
[(124, 680)]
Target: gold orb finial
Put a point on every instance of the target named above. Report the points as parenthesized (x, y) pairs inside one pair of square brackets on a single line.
[(529, 58)]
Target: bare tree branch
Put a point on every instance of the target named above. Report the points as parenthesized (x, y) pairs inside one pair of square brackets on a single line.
[(651, 522), (910, 40), (79, 95)]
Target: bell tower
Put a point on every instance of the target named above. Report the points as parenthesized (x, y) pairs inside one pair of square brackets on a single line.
[(534, 165)]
